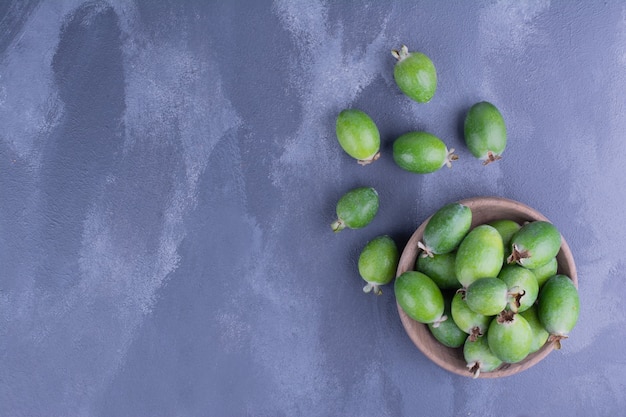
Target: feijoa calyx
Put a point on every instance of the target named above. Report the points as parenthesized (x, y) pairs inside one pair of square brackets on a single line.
[(415, 74), (535, 244), (421, 153), (446, 229), (420, 298), (378, 262), (485, 132), (358, 135), (558, 307), (356, 209)]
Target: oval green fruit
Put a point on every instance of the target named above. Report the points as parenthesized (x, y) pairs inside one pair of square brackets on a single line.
[(546, 271), (358, 135), (558, 307), (487, 296), (466, 319), (415, 74), (523, 284), (485, 132), (448, 333), (535, 244), (446, 229), (440, 268), (421, 153), (479, 357), (378, 262), (419, 297), (510, 337), (356, 209), (479, 255), (540, 335)]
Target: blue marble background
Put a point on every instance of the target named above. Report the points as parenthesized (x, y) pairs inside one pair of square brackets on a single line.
[(168, 175)]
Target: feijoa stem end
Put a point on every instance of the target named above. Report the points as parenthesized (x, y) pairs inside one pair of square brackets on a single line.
[(338, 225), (556, 339), (440, 320), (474, 369), (491, 157), (371, 287), (517, 255), (401, 54), (475, 334), (451, 156), (369, 160), (515, 296), (426, 252)]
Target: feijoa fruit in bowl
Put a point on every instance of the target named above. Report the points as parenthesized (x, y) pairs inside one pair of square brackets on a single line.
[(522, 333)]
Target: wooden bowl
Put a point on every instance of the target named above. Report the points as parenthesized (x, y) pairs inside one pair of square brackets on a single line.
[(484, 210)]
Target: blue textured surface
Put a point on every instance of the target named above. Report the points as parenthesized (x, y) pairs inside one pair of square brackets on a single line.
[(169, 171)]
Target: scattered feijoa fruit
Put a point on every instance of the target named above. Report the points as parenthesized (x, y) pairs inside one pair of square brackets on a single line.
[(358, 135), (485, 132), (421, 153), (356, 209), (415, 74), (378, 262)]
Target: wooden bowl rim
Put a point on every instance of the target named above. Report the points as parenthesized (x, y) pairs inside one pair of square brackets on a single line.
[(417, 331)]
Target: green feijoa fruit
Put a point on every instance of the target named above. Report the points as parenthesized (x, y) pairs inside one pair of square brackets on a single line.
[(421, 153), (356, 209), (420, 298), (358, 135), (378, 262), (546, 271), (522, 286), (415, 74), (446, 229), (510, 337), (466, 319), (507, 228), (479, 357), (535, 244), (448, 333), (487, 296), (485, 132), (440, 268), (558, 307), (540, 335), (479, 255)]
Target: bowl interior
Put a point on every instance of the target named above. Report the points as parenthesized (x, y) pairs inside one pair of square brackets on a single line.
[(484, 210)]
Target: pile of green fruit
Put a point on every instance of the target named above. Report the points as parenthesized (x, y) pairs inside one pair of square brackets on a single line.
[(494, 288)]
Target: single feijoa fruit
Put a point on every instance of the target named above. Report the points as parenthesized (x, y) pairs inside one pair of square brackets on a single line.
[(421, 153), (448, 333), (440, 268), (540, 335), (510, 337), (446, 229), (356, 209), (485, 132), (420, 298), (487, 296), (522, 284), (358, 135), (546, 271), (466, 319), (507, 228), (558, 307), (479, 255), (415, 74), (378, 262), (535, 244), (479, 357)]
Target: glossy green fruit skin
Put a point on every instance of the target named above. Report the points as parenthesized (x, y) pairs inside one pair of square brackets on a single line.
[(357, 134), (416, 76), (510, 341), (477, 354), (559, 305), (485, 131), (378, 260), (506, 228), (520, 278), (440, 268), (419, 297), (447, 227), (419, 152), (487, 296), (540, 335), (546, 271), (448, 333), (356, 208), (466, 319), (479, 255), (540, 239)]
